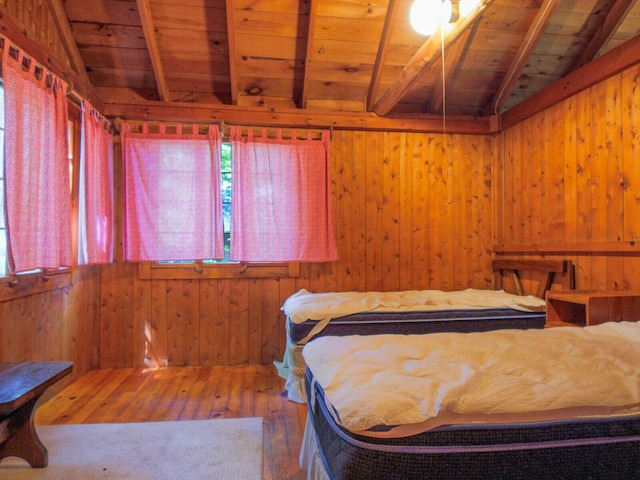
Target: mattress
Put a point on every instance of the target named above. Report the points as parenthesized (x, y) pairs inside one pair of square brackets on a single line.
[(416, 322), (410, 312), (508, 423), (586, 448)]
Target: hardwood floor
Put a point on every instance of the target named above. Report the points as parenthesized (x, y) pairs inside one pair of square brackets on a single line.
[(189, 393)]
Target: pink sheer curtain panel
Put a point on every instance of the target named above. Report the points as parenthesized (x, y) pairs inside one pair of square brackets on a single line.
[(95, 219), (281, 204), (173, 204), (37, 166)]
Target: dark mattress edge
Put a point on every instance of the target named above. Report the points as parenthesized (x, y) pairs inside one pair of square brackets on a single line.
[(417, 322), (603, 448)]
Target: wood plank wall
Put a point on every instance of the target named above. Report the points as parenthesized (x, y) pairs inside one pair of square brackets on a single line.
[(568, 184), (565, 185), (60, 324), (410, 213), (33, 17)]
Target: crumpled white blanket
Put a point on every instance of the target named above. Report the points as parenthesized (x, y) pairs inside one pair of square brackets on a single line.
[(304, 305), (410, 379)]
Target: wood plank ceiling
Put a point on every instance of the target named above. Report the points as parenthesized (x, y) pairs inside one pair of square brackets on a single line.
[(345, 55)]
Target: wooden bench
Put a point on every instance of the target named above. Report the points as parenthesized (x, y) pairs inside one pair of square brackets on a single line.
[(21, 385)]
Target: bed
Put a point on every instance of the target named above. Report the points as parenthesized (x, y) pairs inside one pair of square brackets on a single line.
[(313, 315), (555, 403)]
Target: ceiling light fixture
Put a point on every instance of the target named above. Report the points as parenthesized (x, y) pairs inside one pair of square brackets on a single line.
[(467, 6), (427, 15)]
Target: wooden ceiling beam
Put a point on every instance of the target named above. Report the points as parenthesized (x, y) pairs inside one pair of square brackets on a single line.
[(293, 117), (531, 39), (452, 58), (381, 55), (231, 45), (148, 30), (66, 35), (426, 55), (612, 21), (311, 28)]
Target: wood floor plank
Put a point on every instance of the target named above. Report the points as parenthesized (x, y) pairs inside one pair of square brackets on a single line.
[(189, 393), (96, 395)]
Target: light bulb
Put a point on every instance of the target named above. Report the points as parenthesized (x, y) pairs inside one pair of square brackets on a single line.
[(424, 17), (467, 6), (446, 9)]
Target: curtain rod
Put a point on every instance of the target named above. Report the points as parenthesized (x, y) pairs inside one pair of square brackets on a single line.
[(224, 126)]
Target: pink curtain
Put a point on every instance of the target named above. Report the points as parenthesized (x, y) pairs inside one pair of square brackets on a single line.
[(173, 203), (281, 199), (95, 222), (37, 166)]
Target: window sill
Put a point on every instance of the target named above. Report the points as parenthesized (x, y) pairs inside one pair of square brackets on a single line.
[(33, 283), (154, 271)]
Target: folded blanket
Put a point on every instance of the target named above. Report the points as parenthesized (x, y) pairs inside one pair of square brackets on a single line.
[(409, 379)]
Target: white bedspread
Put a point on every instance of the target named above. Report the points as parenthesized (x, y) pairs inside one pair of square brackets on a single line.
[(412, 379), (322, 307)]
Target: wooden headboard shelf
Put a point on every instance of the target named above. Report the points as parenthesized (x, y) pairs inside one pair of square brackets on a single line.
[(551, 267)]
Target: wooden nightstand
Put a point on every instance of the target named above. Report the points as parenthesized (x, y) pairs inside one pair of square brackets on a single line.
[(590, 307)]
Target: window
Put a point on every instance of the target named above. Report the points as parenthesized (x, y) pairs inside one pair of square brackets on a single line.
[(222, 268), (172, 201), (278, 212), (281, 197), (35, 281), (226, 177), (225, 187)]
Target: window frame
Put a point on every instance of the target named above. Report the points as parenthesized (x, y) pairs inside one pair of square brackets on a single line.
[(200, 270)]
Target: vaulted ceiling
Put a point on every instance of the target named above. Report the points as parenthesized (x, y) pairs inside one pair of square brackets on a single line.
[(345, 55)]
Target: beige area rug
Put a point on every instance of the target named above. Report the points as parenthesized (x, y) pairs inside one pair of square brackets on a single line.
[(189, 450)]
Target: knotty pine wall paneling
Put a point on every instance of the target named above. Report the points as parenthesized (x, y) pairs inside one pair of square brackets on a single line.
[(34, 18), (630, 100), (411, 211), (570, 181), (60, 324)]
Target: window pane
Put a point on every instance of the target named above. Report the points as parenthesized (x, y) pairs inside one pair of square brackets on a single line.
[(225, 169), (226, 201)]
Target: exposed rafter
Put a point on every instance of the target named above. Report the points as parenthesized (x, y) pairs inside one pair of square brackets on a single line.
[(231, 42), (383, 48), (452, 59), (152, 45), (531, 39), (311, 28), (612, 20), (323, 54), (426, 55), (68, 40)]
